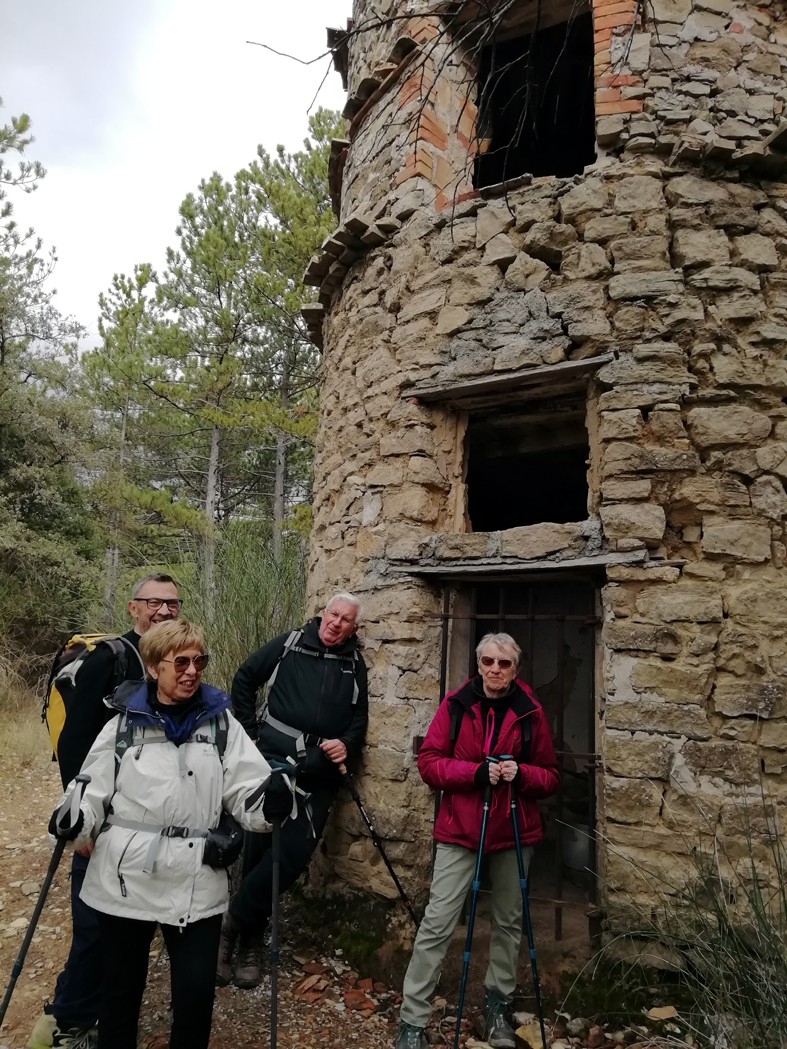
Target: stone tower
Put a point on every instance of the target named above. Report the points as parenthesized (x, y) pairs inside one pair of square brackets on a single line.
[(554, 402)]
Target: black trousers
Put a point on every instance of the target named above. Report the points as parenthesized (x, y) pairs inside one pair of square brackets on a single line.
[(252, 904), (192, 957)]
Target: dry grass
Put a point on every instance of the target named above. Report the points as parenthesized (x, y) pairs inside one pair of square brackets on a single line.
[(23, 738)]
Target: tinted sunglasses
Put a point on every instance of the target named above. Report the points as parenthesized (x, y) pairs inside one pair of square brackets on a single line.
[(489, 661), (181, 663)]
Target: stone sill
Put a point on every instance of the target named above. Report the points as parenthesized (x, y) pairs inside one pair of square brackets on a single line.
[(462, 569), (530, 381)]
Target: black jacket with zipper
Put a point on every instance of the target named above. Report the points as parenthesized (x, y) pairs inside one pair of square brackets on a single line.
[(310, 693)]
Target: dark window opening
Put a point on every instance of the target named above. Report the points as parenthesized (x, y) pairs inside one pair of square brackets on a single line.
[(536, 103), (527, 466)]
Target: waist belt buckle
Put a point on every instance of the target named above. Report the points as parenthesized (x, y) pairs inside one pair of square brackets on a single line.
[(311, 739), (175, 832)]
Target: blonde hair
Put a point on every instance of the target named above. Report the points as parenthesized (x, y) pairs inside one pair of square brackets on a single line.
[(171, 636)]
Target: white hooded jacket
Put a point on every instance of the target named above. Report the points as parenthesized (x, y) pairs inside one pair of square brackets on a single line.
[(161, 785)]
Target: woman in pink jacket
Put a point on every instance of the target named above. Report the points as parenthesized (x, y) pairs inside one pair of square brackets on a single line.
[(491, 715)]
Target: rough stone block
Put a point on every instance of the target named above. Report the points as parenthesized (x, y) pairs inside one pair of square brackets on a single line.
[(500, 251), (756, 252), (637, 755), (643, 521), (632, 800), (642, 637), (742, 540), (740, 697), (423, 302), (413, 503), (646, 285), (638, 193), (451, 319), (692, 191), (731, 424), (526, 273), (725, 278), (490, 222), (637, 254), (700, 247), (681, 602), (653, 715), (674, 681), (587, 198), (585, 261), (549, 240), (464, 545), (540, 540)]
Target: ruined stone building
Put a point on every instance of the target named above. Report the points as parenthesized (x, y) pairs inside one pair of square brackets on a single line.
[(554, 402)]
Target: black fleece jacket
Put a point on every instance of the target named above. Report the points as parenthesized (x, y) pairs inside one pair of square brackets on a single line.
[(310, 693)]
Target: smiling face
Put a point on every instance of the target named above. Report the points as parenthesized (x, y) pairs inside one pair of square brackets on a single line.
[(338, 623), (496, 679), (177, 683), (163, 597)]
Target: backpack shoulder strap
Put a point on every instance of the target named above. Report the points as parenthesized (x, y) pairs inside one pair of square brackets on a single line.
[(457, 713), (221, 731)]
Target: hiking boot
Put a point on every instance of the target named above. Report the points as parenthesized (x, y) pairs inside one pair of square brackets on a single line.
[(48, 1034), (230, 931), (498, 1032), (410, 1037), (248, 963)]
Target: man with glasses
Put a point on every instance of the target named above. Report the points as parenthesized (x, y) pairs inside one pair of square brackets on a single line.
[(68, 1022), (489, 735)]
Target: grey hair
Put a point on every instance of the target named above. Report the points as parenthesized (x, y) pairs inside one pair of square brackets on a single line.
[(153, 577), (348, 598), (502, 641)]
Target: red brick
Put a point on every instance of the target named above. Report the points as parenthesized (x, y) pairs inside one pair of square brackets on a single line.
[(607, 94), (620, 80), (612, 22), (631, 105)]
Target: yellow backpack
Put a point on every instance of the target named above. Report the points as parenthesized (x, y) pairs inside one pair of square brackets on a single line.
[(65, 667)]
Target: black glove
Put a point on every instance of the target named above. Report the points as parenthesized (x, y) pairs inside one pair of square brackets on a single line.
[(277, 802), (481, 778), (65, 833)]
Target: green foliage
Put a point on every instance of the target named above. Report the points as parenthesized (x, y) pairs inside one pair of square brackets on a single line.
[(47, 537), (257, 595), (719, 937)]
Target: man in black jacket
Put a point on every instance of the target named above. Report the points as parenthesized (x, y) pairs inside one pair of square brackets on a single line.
[(70, 1019), (314, 713)]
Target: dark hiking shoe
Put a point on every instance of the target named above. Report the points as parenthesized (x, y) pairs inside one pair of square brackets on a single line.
[(498, 1032), (229, 937), (74, 1038), (410, 1037), (248, 963)]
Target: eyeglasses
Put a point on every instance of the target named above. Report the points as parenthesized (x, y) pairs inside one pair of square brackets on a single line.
[(155, 603), (182, 663), (489, 661)]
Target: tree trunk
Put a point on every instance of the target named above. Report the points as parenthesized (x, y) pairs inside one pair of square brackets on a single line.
[(112, 554), (280, 477), (211, 504)]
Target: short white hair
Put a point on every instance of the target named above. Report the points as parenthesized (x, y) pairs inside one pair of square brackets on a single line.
[(347, 598), (502, 641)]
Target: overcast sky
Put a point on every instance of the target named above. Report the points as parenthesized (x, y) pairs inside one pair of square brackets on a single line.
[(133, 103)]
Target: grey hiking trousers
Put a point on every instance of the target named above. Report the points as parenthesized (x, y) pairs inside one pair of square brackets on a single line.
[(453, 875)]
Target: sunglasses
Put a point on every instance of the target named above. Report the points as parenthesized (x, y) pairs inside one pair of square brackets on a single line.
[(489, 661), (182, 663)]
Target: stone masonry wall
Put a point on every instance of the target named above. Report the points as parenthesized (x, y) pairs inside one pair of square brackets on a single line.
[(672, 269)]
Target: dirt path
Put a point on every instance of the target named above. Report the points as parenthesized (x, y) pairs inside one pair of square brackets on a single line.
[(322, 1002)]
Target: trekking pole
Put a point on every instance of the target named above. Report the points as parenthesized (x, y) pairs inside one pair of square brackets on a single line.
[(376, 840), (476, 886), (531, 947), (57, 852), (275, 871)]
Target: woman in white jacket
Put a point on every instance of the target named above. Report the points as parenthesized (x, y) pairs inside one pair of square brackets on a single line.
[(160, 775)]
